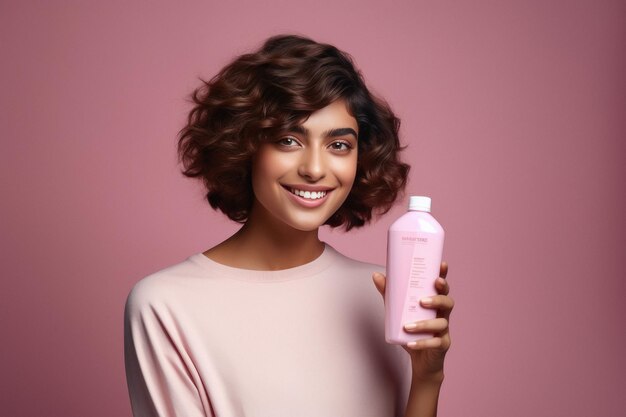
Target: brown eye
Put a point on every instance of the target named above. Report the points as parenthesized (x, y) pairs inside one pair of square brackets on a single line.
[(340, 146), (287, 142)]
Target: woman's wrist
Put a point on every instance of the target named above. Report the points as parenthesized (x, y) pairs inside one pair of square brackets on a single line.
[(430, 378)]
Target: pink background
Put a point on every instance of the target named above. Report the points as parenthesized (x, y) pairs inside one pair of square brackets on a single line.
[(514, 113)]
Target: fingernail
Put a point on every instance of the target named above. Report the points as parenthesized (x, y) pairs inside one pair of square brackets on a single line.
[(427, 301), (411, 326), (412, 344)]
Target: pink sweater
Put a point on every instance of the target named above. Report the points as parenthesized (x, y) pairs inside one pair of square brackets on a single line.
[(205, 339)]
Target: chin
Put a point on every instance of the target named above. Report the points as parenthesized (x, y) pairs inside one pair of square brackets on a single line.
[(306, 225)]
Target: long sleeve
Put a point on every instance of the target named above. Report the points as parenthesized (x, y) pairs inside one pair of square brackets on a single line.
[(204, 339), (160, 382)]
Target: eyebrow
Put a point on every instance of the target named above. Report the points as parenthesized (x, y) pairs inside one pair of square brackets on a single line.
[(331, 133)]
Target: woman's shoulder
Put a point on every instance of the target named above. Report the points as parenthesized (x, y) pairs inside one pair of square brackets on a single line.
[(159, 286), (353, 278), (356, 266)]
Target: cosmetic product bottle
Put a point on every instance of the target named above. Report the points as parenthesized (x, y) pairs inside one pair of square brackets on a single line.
[(414, 250)]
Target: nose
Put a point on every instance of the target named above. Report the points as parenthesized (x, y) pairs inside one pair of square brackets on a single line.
[(312, 165)]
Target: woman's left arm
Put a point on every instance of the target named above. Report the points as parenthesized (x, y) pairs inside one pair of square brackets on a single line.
[(427, 355)]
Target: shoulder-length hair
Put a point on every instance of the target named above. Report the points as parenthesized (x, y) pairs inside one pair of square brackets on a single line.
[(262, 94)]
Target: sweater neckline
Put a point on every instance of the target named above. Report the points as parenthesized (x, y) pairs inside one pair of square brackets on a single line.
[(301, 271)]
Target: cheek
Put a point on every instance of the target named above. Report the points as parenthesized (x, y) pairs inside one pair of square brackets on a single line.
[(268, 167), (262, 165), (347, 171)]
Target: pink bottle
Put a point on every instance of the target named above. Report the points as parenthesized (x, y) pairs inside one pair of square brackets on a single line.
[(414, 250)]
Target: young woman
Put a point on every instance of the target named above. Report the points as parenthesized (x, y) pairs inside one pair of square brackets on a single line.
[(273, 321)]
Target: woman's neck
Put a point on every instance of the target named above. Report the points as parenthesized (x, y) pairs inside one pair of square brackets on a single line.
[(261, 245)]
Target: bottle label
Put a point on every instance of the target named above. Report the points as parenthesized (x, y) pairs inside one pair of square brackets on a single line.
[(417, 267)]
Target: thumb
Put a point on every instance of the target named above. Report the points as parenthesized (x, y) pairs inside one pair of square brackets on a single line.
[(379, 280)]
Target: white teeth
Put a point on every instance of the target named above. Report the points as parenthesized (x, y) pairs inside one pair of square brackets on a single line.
[(309, 195)]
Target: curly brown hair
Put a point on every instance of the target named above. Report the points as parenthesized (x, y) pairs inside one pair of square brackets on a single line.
[(262, 94)]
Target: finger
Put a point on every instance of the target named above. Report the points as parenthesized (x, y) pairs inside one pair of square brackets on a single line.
[(443, 303), (443, 269), (442, 287), (379, 281), (442, 343), (437, 325), (431, 342)]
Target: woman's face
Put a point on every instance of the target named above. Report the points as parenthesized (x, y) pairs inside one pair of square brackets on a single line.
[(303, 176)]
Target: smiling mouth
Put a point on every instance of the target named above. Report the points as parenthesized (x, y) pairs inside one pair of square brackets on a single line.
[(308, 195)]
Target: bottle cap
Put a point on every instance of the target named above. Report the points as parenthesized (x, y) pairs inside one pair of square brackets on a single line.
[(419, 203)]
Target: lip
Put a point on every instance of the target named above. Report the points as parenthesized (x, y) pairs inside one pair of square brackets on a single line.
[(308, 187), (303, 201)]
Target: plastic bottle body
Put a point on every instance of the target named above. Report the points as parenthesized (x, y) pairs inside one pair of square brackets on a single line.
[(414, 251)]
